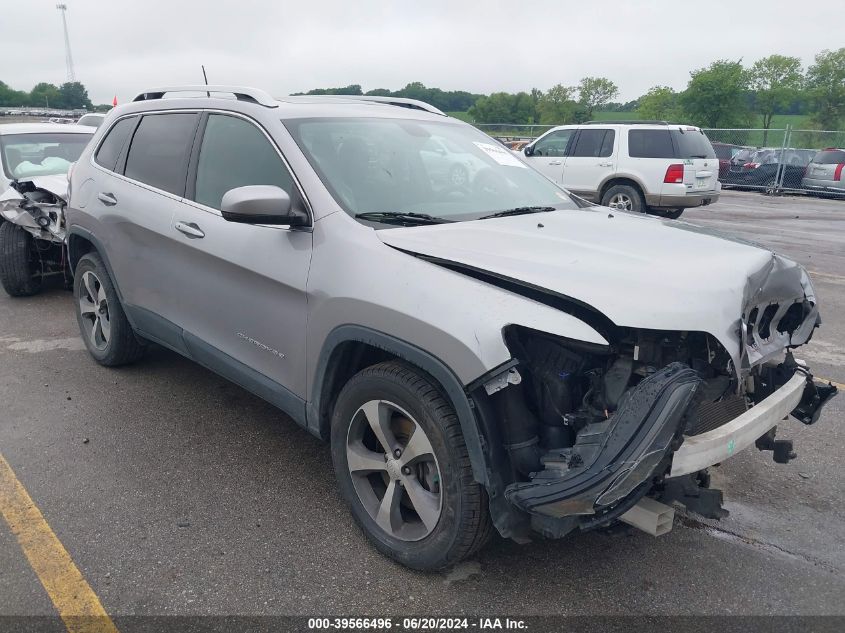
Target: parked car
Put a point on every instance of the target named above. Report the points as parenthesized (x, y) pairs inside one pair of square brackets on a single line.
[(35, 159), (448, 164), (94, 119), (502, 355), (725, 152), (824, 173), (763, 168), (647, 167)]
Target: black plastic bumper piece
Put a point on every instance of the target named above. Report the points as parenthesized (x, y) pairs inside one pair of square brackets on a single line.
[(815, 396), (611, 460)]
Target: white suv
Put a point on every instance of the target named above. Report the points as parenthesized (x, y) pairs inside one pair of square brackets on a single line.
[(649, 167)]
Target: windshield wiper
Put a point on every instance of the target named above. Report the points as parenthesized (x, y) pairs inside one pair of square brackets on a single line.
[(517, 211), (397, 217)]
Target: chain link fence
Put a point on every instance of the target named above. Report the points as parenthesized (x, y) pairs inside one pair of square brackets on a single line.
[(780, 160), (773, 161)]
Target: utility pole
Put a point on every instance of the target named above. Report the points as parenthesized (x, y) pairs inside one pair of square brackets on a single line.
[(71, 76)]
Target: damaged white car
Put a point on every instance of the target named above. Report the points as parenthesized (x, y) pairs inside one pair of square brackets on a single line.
[(35, 159)]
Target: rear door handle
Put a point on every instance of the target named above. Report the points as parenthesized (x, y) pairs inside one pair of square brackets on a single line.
[(556, 162), (190, 229), (107, 199), (605, 164)]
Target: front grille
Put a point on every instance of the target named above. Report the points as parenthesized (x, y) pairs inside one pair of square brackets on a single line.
[(712, 415)]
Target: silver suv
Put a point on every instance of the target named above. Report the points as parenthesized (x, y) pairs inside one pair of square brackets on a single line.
[(480, 352)]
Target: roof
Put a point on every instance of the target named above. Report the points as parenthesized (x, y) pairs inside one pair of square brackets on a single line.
[(45, 128)]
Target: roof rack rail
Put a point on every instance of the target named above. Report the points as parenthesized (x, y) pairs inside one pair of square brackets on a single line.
[(241, 93), (621, 122), (413, 104)]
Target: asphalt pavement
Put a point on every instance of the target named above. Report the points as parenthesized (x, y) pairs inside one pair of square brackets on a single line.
[(176, 492)]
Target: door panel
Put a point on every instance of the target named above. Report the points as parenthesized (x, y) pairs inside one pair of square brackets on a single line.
[(241, 289), (591, 159)]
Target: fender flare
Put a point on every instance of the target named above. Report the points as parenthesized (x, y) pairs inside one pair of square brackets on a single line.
[(433, 366)]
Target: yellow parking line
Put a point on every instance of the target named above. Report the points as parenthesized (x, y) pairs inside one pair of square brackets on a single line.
[(76, 602)]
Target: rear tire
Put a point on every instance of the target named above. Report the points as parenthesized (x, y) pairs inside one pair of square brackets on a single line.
[(20, 270), (455, 521), (626, 195), (107, 333), (673, 214)]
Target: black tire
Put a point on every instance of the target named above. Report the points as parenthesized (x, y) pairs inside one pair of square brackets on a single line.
[(20, 270), (122, 346), (674, 214), (625, 192), (464, 524)]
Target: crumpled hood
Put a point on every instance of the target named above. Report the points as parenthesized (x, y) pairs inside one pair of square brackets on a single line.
[(56, 184), (638, 271)]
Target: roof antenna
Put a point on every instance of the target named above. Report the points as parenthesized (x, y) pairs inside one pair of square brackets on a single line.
[(205, 78)]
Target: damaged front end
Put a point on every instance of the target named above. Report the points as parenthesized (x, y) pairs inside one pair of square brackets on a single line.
[(37, 206), (589, 431)]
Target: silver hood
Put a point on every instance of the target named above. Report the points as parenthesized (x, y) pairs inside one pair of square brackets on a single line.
[(638, 271)]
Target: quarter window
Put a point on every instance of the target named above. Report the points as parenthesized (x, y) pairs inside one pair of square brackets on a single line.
[(650, 144), (235, 153), (113, 144), (159, 152)]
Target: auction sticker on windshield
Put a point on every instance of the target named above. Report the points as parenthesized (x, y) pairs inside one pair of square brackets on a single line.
[(500, 154)]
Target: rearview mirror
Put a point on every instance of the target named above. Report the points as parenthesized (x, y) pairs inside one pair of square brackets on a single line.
[(261, 204)]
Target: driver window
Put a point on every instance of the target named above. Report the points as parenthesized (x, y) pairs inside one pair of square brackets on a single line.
[(553, 144)]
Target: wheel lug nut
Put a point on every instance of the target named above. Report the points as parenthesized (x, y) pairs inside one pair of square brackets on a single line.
[(397, 453), (406, 470)]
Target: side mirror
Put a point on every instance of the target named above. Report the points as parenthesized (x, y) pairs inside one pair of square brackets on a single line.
[(261, 204), (528, 151)]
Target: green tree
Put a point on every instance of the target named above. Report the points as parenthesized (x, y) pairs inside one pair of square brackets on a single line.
[(45, 95), (11, 97), (660, 103), (826, 85), (776, 81), (74, 96), (596, 91), (715, 96), (503, 107), (556, 105)]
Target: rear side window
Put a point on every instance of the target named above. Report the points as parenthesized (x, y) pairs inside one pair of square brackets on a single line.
[(594, 143), (115, 139), (235, 153), (159, 151), (830, 157), (650, 144), (692, 143)]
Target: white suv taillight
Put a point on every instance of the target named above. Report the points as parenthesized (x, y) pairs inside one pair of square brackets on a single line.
[(674, 173)]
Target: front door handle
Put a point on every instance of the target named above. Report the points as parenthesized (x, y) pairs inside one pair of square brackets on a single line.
[(605, 164), (555, 162), (190, 229), (107, 199)]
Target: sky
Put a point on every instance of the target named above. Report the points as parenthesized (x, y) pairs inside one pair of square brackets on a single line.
[(122, 48)]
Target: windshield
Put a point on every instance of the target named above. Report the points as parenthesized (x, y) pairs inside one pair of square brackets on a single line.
[(445, 170), (30, 155)]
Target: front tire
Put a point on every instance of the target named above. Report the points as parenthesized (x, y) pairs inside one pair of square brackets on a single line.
[(628, 197), (107, 333), (20, 267), (403, 468)]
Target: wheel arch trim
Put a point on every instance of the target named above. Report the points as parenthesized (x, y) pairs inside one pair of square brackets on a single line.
[(433, 366)]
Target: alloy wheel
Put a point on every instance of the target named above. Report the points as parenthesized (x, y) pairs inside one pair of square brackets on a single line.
[(394, 470), (94, 309), (621, 201)]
